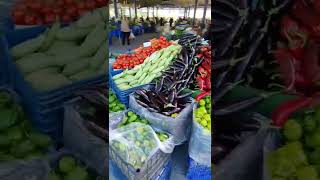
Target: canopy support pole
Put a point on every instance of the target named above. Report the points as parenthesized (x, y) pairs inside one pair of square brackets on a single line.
[(204, 13), (153, 11), (135, 8), (195, 11), (130, 11), (115, 8)]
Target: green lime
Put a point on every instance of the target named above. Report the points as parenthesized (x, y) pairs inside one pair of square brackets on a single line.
[(307, 173), (314, 156), (130, 113), (204, 123), (292, 130), (202, 102), (309, 124), (67, 164)]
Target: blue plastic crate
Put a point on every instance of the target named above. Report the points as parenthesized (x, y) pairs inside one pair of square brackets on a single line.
[(197, 171), (123, 96), (44, 108)]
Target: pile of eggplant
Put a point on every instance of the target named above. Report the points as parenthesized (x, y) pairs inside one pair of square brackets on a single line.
[(93, 108), (169, 95), (245, 35)]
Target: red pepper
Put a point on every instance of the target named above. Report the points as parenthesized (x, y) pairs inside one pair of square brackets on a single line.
[(311, 65), (307, 16), (202, 95), (287, 66), (281, 114), (201, 83)]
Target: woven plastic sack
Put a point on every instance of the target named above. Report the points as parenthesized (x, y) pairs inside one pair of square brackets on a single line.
[(200, 143), (136, 143), (179, 127), (245, 161), (36, 169), (77, 138)]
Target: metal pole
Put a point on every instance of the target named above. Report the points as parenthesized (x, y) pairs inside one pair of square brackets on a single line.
[(153, 12), (147, 11), (189, 9), (115, 8), (157, 11), (204, 12), (130, 11), (195, 11), (135, 8)]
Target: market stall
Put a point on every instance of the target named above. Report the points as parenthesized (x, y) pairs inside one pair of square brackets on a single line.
[(159, 99), (52, 93), (266, 92)]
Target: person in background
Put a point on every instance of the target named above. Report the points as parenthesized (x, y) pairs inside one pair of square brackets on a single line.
[(161, 21), (147, 19), (171, 21), (125, 31)]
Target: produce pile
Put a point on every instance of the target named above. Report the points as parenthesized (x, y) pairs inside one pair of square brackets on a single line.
[(298, 157), (39, 12), (93, 109), (150, 69), (128, 61), (114, 104), (63, 55), (135, 143), (203, 113), (18, 140), (69, 168)]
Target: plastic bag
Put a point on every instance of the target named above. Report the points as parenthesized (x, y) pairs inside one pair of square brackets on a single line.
[(115, 118), (131, 35), (244, 162), (200, 143), (179, 127), (136, 143), (271, 143), (77, 138), (36, 169)]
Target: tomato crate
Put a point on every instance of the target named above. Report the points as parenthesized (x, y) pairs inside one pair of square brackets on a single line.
[(151, 170)]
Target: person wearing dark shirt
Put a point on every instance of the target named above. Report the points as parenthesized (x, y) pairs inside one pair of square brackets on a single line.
[(171, 21)]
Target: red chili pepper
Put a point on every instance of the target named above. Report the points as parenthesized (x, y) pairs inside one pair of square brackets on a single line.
[(281, 114), (287, 66), (307, 16), (311, 65), (202, 95), (201, 83)]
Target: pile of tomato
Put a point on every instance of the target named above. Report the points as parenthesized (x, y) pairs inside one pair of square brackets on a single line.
[(128, 61), (38, 12)]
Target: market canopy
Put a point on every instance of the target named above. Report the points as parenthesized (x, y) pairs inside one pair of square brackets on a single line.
[(159, 3)]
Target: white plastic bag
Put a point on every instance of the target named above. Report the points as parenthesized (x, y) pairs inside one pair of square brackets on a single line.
[(200, 143), (136, 143), (179, 127), (131, 35)]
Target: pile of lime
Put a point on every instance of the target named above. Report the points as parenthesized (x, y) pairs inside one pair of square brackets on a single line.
[(17, 138), (203, 113), (131, 117), (69, 169), (135, 144), (114, 104), (299, 157)]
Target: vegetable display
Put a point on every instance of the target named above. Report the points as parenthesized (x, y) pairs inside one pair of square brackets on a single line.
[(149, 70), (63, 55), (203, 113), (299, 155), (114, 104), (38, 12), (18, 140), (68, 168), (128, 61), (135, 143), (204, 71)]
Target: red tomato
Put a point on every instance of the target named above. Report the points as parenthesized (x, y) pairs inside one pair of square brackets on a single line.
[(60, 3), (18, 16), (82, 11), (68, 1), (101, 3), (66, 18), (30, 19), (36, 6), (81, 5), (91, 5), (49, 18), (72, 11), (46, 10), (39, 21), (21, 7), (58, 11)]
